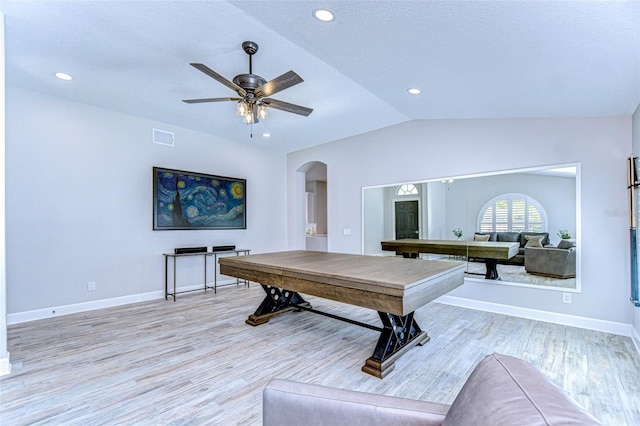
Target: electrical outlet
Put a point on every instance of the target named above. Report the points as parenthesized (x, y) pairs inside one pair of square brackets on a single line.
[(566, 297), (91, 285)]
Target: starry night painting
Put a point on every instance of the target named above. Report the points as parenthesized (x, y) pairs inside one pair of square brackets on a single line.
[(186, 200)]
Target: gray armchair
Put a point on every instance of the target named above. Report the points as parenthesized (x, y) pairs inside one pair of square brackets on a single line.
[(555, 262), (502, 390)]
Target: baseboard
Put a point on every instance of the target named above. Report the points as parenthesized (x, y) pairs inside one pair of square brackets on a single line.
[(635, 337), (5, 365), (533, 314), (55, 311)]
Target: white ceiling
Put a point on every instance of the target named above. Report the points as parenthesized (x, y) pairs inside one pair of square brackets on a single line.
[(472, 59)]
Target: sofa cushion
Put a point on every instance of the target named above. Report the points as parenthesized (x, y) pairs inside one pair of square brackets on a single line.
[(481, 237), (503, 390), (567, 244), (523, 237), (510, 237), (534, 240)]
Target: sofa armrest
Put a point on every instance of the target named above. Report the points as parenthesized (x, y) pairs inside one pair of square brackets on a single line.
[(291, 403), (550, 261), (503, 390)]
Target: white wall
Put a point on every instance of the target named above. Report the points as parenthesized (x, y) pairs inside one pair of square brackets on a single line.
[(373, 219), (437, 198), (79, 201), (443, 148)]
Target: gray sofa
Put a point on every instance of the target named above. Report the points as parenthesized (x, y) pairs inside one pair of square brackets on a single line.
[(502, 390), (513, 237), (555, 262)]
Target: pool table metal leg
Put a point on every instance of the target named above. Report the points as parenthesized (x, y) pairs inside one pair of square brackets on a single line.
[(492, 269), (399, 334), (277, 301)]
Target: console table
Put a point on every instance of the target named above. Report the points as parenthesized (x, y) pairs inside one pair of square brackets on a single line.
[(204, 255)]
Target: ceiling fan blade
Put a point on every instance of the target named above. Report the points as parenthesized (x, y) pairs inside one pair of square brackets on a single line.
[(199, 101), (286, 80), (211, 73), (286, 106)]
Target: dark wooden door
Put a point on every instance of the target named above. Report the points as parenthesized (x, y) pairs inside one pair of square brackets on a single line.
[(407, 219)]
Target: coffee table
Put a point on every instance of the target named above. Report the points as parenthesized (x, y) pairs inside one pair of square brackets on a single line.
[(395, 287)]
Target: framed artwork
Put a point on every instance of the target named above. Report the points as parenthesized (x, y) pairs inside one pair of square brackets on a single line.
[(188, 200)]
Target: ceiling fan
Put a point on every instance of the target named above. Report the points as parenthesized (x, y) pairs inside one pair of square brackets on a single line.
[(253, 90)]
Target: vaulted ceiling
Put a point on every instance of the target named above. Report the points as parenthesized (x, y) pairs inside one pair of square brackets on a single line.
[(471, 59)]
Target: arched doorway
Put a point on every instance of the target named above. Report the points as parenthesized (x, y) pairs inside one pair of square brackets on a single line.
[(315, 205)]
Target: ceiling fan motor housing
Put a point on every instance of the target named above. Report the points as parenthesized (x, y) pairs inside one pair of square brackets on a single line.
[(249, 82)]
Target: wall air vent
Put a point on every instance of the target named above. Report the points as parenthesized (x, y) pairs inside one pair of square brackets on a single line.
[(163, 137)]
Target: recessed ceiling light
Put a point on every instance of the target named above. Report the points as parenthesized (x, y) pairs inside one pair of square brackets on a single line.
[(266, 135), (324, 15), (414, 91), (64, 76)]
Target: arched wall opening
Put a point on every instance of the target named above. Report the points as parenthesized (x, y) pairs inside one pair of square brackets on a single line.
[(312, 192)]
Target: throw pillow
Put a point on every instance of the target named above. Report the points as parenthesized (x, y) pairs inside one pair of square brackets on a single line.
[(567, 244), (478, 237), (534, 240)]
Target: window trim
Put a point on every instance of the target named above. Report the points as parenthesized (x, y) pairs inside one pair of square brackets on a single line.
[(411, 189), (510, 197)]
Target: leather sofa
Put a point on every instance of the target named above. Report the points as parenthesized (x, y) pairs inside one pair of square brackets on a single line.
[(555, 262), (513, 237), (501, 390)]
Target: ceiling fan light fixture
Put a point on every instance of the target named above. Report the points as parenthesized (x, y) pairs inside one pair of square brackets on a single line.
[(242, 108), (262, 112), (324, 15)]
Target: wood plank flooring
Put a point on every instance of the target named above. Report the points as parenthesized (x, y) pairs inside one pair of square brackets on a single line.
[(195, 361)]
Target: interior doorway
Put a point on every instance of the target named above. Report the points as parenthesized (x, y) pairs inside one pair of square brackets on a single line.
[(406, 213), (316, 206)]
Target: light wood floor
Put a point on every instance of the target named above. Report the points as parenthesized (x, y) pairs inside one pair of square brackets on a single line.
[(195, 362)]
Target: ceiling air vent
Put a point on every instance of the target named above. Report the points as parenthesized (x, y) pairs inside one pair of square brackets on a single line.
[(162, 137)]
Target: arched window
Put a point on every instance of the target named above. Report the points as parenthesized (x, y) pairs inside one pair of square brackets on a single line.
[(407, 189), (512, 212)]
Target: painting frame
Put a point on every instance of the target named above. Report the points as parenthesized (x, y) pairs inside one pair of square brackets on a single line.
[(185, 200)]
